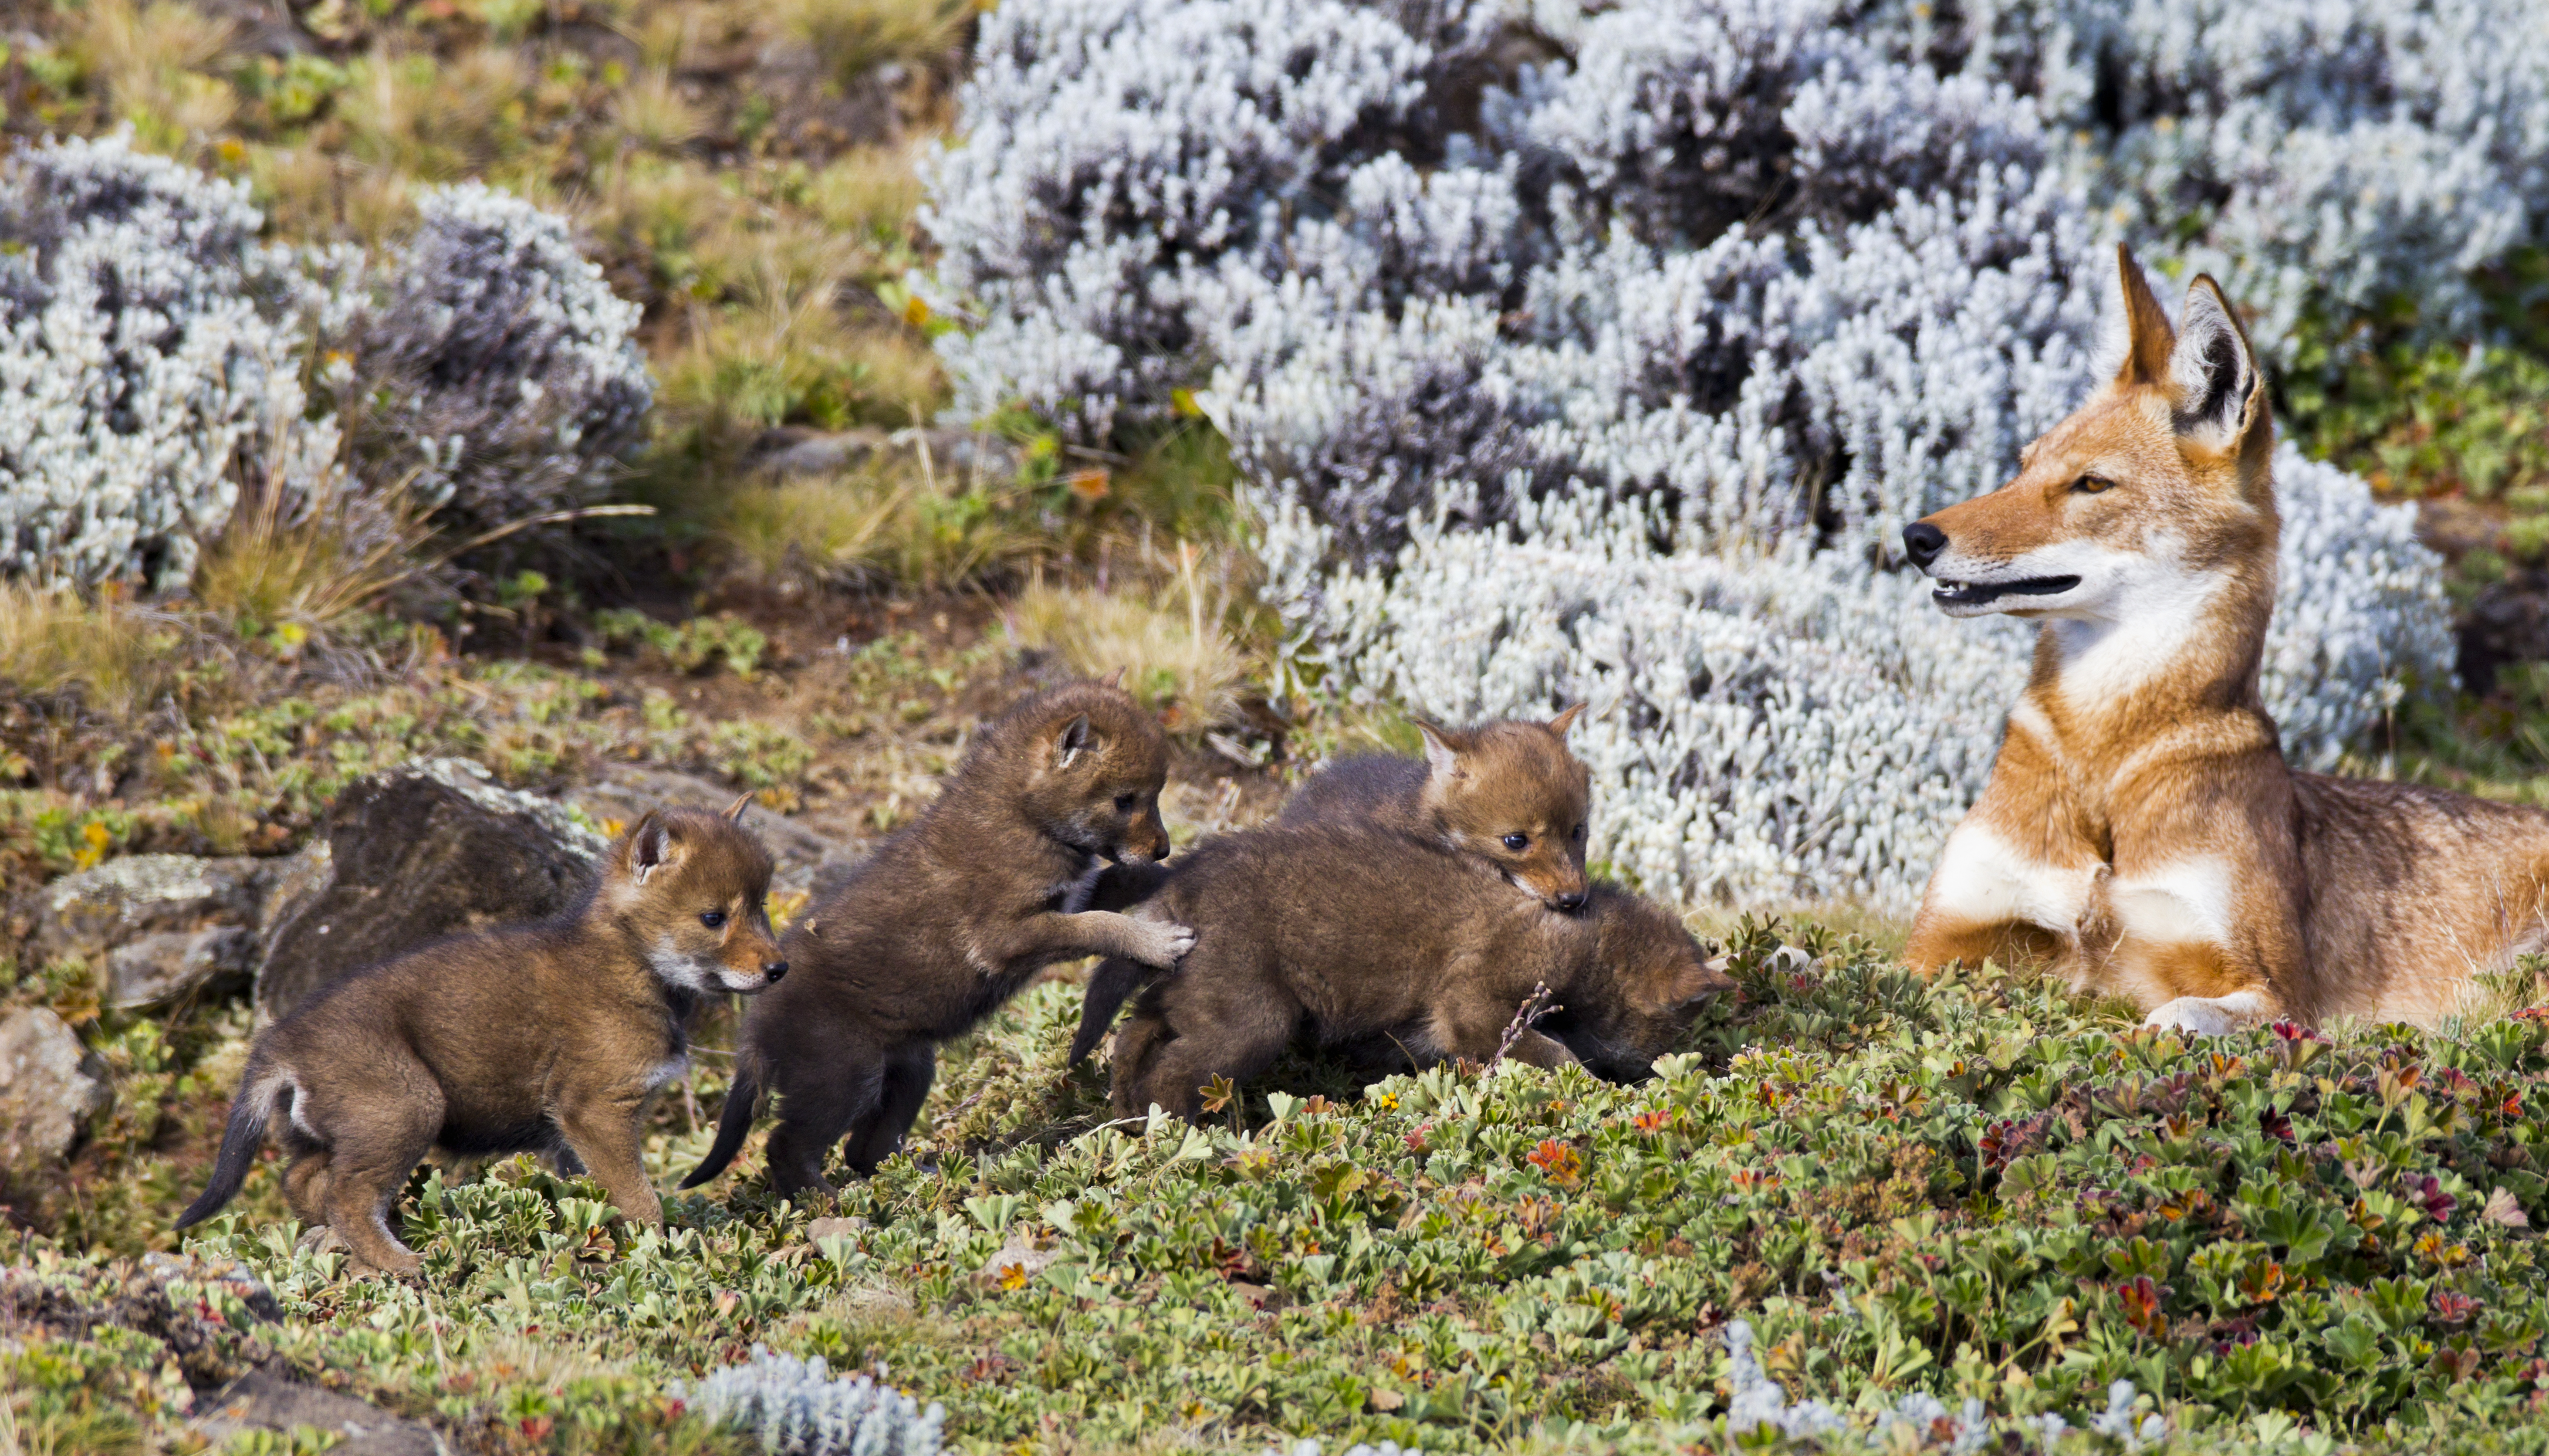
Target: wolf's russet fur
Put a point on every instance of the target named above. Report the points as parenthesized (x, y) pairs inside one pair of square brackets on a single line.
[(1345, 932), (2142, 832), (950, 918), (546, 1037), (1507, 793)]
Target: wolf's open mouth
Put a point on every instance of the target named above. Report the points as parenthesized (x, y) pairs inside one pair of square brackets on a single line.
[(1976, 593)]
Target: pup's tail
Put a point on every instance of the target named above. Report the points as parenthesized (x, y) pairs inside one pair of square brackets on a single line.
[(251, 1110), (1109, 985), (732, 1125)]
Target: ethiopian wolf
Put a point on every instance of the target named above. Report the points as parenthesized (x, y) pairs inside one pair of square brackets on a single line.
[(2141, 833)]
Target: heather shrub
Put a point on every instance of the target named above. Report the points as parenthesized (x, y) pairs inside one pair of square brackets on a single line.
[(159, 363), (495, 364), (1611, 371), (149, 348)]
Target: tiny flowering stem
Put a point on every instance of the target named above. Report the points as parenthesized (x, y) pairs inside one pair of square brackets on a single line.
[(1533, 1008)]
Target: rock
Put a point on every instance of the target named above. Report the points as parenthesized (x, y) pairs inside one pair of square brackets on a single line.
[(228, 1275), (1020, 1259), (85, 915), (266, 1399), (412, 854), (822, 1228), (171, 965), (955, 455), (625, 791), (2506, 625), (49, 1087)]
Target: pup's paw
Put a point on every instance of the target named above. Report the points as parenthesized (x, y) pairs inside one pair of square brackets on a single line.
[(2208, 1016), (1161, 942)]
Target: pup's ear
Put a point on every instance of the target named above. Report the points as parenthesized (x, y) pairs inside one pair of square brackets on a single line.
[(651, 845), (1698, 981), (1566, 719), (2214, 388), (1442, 749), (1073, 738), (1112, 680), (2133, 336), (734, 811)]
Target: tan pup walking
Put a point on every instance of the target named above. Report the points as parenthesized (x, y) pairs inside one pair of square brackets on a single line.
[(2141, 833), (548, 1037), (949, 919), (1349, 934), (1506, 796)]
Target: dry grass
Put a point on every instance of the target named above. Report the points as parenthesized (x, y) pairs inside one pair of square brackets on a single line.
[(54, 640), (403, 114), (892, 523), (854, 37), (869, 193), (653, 114), (152, 60), (1176, 655)]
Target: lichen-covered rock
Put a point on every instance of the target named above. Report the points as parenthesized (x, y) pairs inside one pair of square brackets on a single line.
[(124, 900), (267, 1399), (161, 968), (412, 854), (49, 1087)]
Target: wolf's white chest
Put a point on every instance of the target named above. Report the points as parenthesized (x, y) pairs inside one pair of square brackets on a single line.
[(1984, 879)]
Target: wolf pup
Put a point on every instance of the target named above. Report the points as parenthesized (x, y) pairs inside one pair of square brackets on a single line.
[(2142, 832), (1506, 794), (950, 918), (548, 1037), (1426, 955)]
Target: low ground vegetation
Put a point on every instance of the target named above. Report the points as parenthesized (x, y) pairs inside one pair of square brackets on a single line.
[(1912, 1198)]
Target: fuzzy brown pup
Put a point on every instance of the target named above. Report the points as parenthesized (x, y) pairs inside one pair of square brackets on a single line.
[(546, 1037), (1507, 793), (1507, 796), (1348, 934), (950, 918)]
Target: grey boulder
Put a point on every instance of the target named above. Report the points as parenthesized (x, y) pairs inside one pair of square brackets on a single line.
[(410, 856), (49, 1087)]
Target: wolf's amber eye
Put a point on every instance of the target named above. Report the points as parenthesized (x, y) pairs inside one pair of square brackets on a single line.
[(1124, 802), (712, 918), (2091, 485), (1517, 842)]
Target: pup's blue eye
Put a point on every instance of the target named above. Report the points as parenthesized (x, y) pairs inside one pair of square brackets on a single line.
[(712, 918), (1124, 802), (1517, 842)]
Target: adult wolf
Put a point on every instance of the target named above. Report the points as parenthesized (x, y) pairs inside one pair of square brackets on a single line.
[(2141, 833)]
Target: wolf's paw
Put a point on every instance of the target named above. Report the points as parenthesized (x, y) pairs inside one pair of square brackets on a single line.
[(1160, 942), (2209, 1015)]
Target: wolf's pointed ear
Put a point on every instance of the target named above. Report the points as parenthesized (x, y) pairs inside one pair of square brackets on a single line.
[(2134, 338), (734, 811), (1112, 680), (1442, 749), (1074, 738), (1566, 719), (650, 845), (2216, 390)]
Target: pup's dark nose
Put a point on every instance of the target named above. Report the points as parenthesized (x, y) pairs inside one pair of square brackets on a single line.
[(1572, 901), (1924, 541), (774, 969)]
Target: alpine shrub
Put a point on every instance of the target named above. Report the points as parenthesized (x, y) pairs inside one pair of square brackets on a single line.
[(496, 364), (798, 1407), (149, 346)]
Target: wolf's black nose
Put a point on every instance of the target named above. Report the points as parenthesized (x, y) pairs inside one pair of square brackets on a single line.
[(1924, 541), (1572, 901), (774, 969)]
